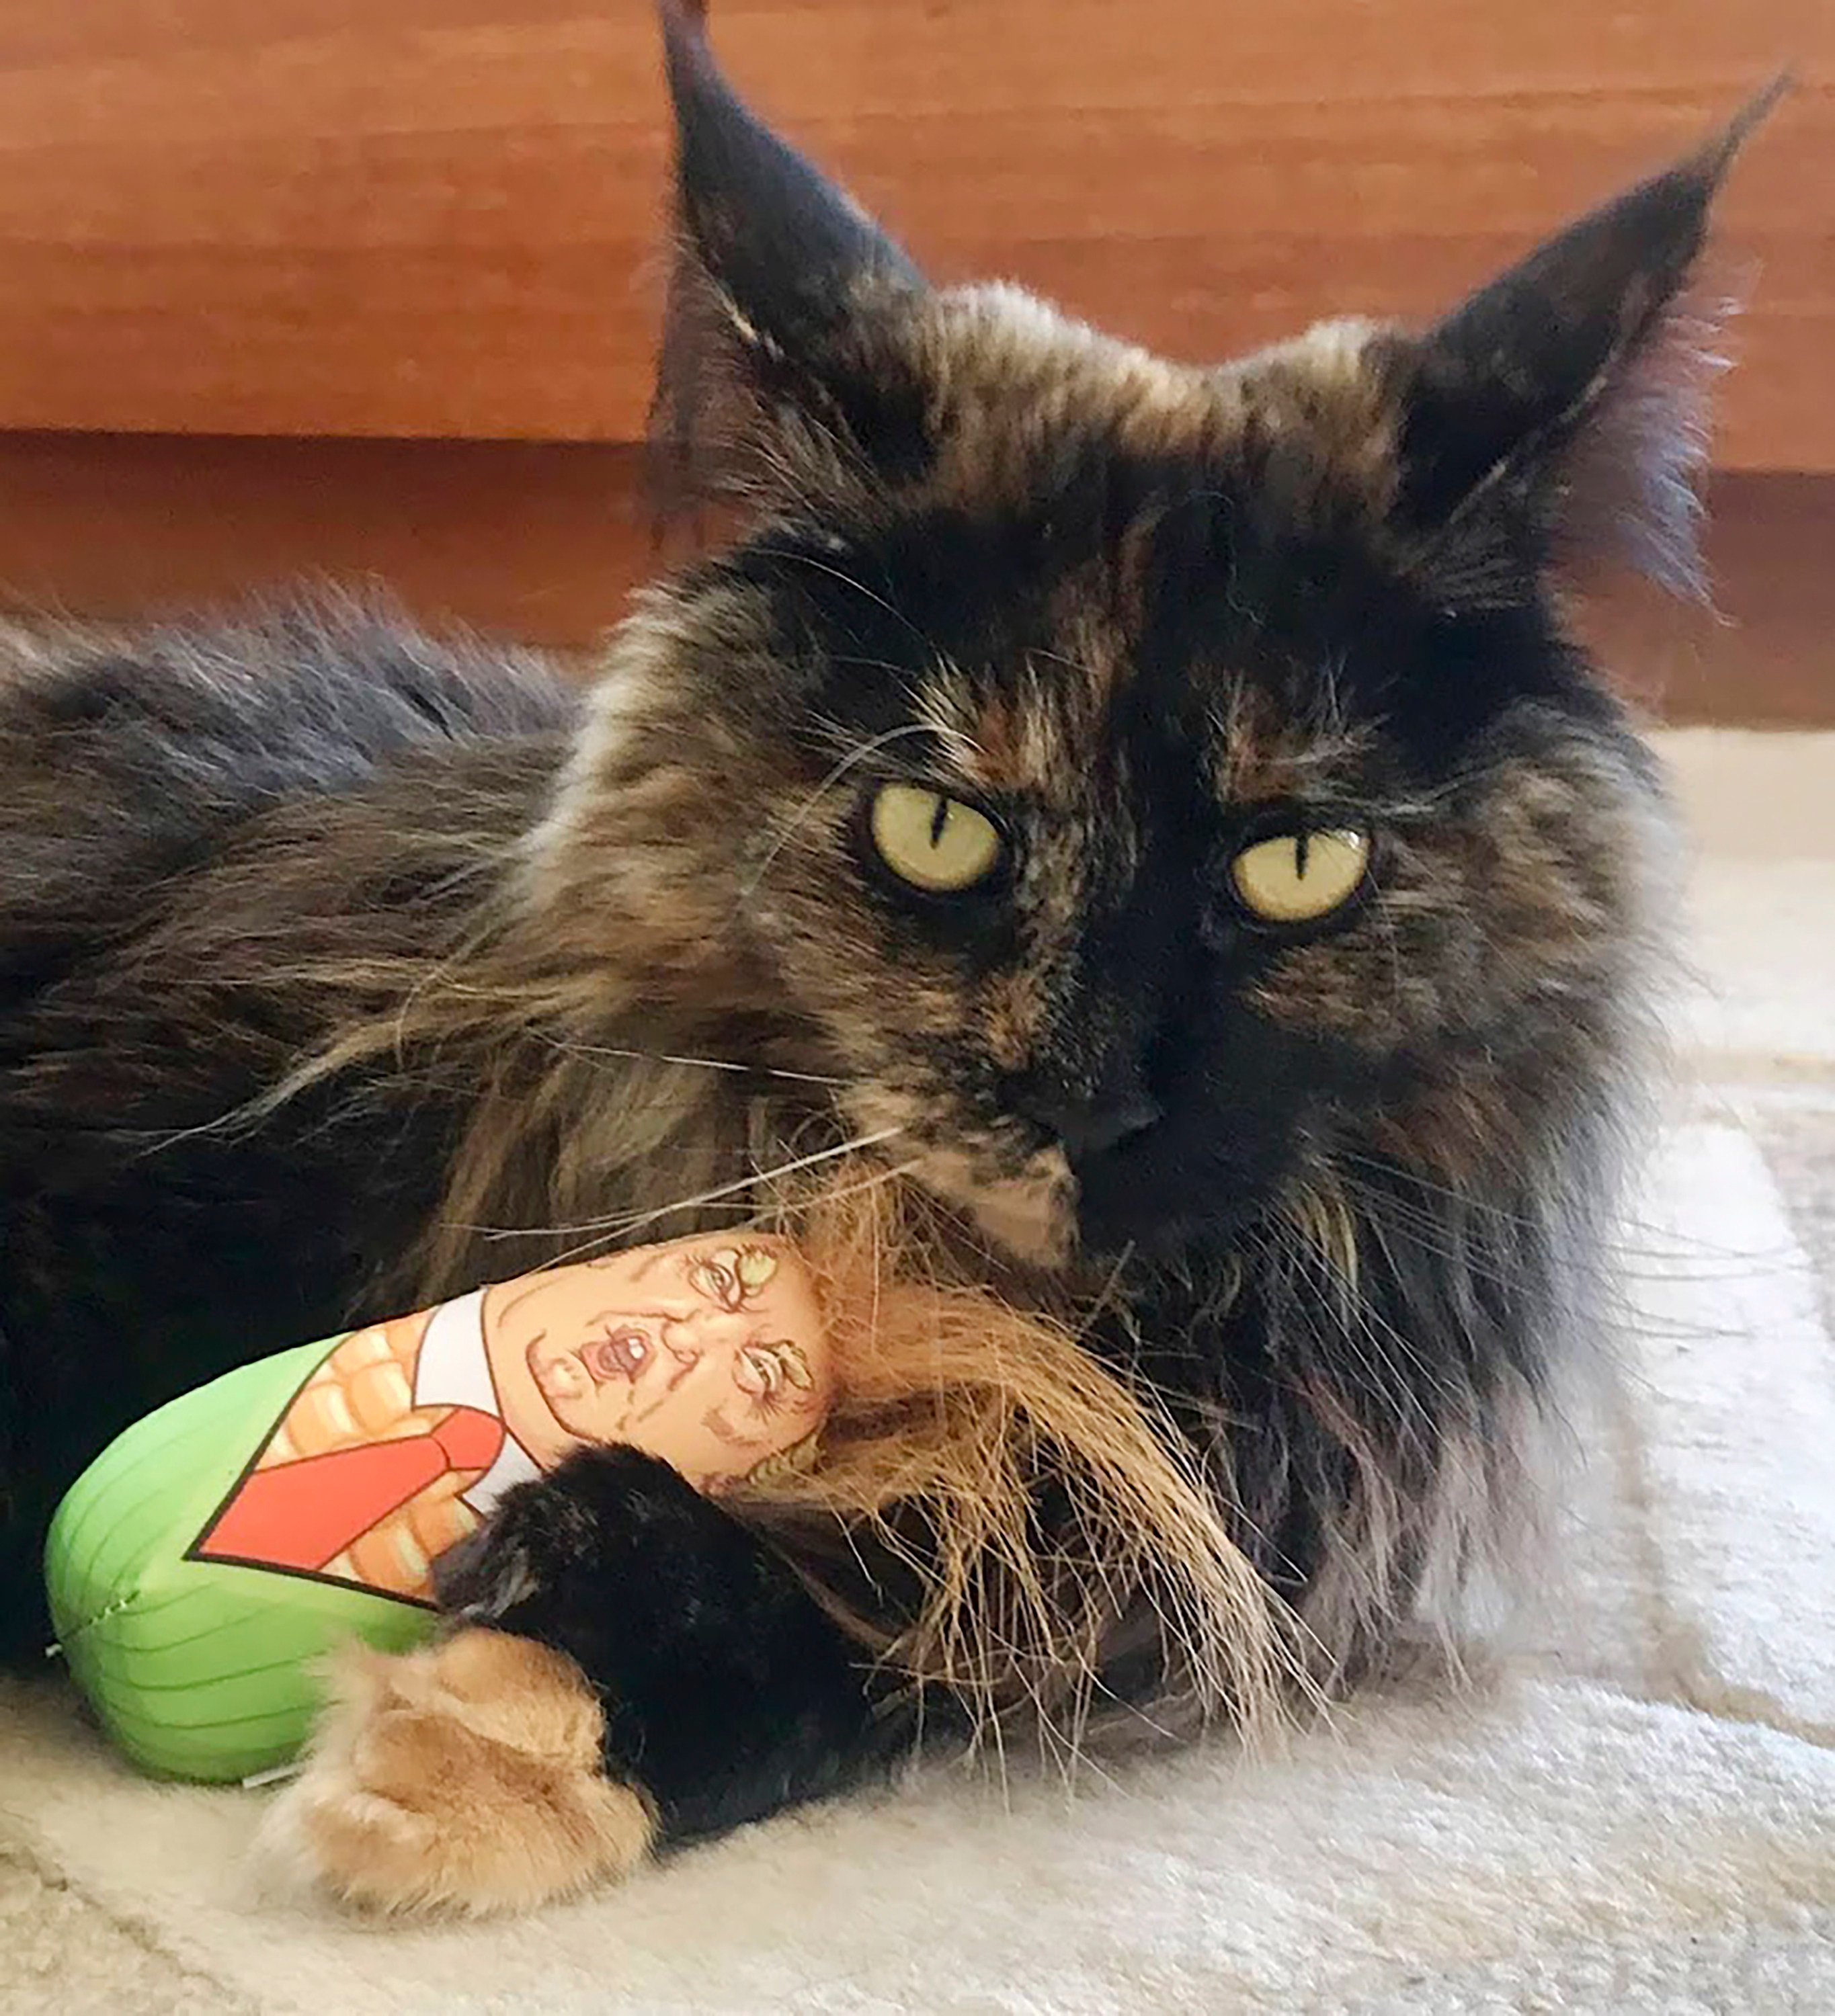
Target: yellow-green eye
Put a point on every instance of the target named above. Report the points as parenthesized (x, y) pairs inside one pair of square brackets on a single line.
[(1294, 878), (936, 844)]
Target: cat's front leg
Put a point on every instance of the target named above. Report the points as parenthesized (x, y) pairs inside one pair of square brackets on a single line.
[(628, 1667)]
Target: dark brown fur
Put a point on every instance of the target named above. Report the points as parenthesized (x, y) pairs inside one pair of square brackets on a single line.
[(341, 970)]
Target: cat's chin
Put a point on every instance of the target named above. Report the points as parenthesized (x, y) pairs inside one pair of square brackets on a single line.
[(1030, 1216), (1047, 1242), (1026, 1211)]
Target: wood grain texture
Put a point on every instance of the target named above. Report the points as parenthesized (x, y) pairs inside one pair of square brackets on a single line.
[(539, 541), (441, 217), (544, 542)]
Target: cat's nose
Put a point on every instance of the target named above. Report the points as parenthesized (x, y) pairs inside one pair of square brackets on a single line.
[(1085, 1127)]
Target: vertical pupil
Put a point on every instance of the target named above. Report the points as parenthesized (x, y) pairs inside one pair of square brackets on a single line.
[(939, 819), (1302, 841)]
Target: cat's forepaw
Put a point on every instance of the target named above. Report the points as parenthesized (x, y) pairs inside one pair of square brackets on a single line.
[(463, 1777)]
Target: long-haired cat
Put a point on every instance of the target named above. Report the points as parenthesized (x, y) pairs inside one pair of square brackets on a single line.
[(1127, 855)]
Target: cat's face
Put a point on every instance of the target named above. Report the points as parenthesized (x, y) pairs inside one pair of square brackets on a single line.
[(1123, 823), (1142, 785)]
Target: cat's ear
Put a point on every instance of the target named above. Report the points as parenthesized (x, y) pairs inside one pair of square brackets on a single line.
[(785, 364), (1566, 400)]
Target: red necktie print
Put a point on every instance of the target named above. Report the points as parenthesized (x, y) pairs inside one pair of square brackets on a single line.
[(304, 1514)]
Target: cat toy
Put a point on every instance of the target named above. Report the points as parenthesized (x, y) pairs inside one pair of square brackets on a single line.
[(202, 1567)]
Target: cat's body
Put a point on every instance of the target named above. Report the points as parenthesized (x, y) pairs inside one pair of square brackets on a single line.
[(336, 971), (185, 801)]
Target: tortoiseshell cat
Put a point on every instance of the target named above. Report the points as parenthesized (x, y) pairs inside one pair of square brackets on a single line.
[(1158, 814)]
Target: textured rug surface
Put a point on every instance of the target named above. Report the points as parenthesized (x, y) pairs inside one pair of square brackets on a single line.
[(1639, 1815)]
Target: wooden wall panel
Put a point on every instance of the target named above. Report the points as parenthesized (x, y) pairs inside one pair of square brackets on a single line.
[(424, 217), (438, 217), (541, 541), (544, 542)]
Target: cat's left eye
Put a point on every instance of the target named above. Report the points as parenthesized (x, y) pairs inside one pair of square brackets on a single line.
[(934, 842), (1300, 877)]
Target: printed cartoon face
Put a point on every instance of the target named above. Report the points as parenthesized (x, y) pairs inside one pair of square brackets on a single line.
[(708, 1352)]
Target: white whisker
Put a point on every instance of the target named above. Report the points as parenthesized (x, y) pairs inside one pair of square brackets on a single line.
[(847, 581), (620, 1224), (574, 1049), (749, 888)]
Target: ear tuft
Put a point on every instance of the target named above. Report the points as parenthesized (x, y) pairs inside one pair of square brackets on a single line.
[(1569, 393), (779, 344), (1629, 488), (788, 249)]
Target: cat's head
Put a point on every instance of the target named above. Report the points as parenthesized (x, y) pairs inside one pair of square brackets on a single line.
[(1137, 781)]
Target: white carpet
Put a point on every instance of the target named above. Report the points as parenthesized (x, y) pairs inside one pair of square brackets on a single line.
[(1641, 1819)]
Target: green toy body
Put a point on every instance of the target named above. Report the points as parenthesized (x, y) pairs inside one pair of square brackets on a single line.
[(199, 1669)]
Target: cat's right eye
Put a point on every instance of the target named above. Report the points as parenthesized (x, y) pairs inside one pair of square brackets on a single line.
[(1301, 877), (933, 842)]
